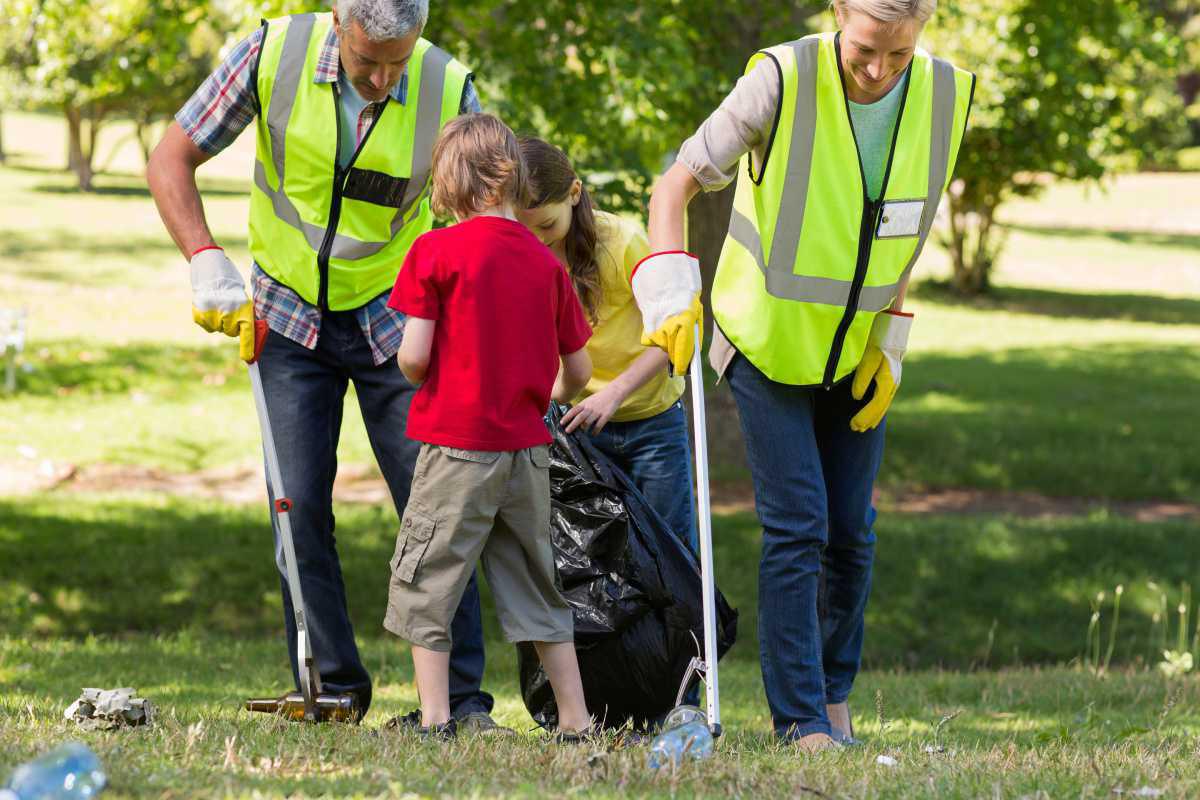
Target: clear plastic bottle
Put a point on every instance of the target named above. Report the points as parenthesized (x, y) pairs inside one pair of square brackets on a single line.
[(684, 735), (68, 772)]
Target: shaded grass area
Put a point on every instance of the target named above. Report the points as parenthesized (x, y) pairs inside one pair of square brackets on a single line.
[(1106, 421), (53, 255), (956, 591), (1110, 420), (1187, 241), (1149, 308), (115, 184), (174, 407), (1060, 732)]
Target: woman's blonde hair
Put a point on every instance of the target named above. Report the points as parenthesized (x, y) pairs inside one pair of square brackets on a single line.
[(893, 11), (477, 165)]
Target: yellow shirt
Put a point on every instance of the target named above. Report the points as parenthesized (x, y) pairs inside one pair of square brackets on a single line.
[(617, 334)]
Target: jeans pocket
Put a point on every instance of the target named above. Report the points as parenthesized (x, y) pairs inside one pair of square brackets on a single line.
[(411, 543), (477, 456)]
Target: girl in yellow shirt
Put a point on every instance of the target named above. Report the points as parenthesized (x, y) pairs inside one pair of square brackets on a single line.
[(631, 407)]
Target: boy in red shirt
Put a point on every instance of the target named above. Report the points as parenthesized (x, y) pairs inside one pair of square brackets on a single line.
[(491, 315)]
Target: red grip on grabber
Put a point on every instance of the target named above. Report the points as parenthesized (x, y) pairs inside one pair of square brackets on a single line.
[(260, 338)]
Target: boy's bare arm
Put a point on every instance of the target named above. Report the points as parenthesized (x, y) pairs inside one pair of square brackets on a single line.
[(575, 373), (415, 348)]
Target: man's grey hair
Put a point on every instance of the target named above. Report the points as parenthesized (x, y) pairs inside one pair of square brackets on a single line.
[(382, 20)]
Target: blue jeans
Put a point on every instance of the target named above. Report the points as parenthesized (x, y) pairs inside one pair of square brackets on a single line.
[(656, 455), (305, 390), (813, 478)]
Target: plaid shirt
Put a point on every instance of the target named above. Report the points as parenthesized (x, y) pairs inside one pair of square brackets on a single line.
[(218, 112)]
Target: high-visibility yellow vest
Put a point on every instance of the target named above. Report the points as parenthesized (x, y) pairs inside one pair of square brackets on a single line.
[(338, 236), (809, 259)]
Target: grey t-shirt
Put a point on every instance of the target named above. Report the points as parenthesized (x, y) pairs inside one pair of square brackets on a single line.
[(743, 123)]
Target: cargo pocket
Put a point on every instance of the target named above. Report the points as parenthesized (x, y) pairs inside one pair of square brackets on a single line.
[(415, 533), (478, 456), (540, 456)]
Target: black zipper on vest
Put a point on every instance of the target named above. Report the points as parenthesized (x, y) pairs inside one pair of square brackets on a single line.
[(870, 218), (339, 186)]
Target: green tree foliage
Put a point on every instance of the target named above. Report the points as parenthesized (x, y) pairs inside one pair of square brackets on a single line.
[(620, 84), (99, 60), (1066, 90), (1184, 17)]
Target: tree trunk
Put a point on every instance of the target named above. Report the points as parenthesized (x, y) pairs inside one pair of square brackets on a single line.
[(143, 130), (971, 246), (80, 147), (708, 220)]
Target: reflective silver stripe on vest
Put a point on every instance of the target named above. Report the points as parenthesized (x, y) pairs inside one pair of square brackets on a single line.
[(779, 273), (805, 288), (283, 99), (786, 241), (434, 66), (945, 99)]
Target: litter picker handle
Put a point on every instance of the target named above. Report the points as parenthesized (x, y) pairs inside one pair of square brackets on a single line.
[(260, 339), (704, 519), (310, 679)]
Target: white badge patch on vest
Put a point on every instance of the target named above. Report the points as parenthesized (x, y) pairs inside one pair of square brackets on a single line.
[(900, 218)]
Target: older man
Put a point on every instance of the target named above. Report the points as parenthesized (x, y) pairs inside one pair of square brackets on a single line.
[(347, 105)]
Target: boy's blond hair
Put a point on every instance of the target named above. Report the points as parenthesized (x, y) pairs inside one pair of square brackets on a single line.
[(477, 165)]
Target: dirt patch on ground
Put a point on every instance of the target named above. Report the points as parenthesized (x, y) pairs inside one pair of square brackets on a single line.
[(242, 483), (362, 483), (733, 497)]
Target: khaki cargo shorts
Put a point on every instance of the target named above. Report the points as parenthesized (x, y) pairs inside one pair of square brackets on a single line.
[(468, 505)]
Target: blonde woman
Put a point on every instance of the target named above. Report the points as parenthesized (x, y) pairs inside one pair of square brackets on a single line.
[(842, 144)]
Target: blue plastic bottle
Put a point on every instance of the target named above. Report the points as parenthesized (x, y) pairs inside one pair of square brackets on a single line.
[(68, 772), (684, 735)]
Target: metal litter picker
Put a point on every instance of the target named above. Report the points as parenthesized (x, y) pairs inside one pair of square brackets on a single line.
[(311, 703), (708, 667)]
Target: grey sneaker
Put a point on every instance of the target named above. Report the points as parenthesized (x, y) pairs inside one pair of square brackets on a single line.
[(480, 723), (845, 740), (411, 722)]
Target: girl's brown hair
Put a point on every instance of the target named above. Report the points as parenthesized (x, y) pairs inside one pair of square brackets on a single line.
[(550, 180), (477, 165)]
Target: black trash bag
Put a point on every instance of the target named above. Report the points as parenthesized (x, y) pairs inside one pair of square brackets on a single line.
[(634, 589)]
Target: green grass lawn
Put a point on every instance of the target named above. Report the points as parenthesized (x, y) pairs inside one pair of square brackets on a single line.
[(1052, 733), (951, 591), (180, 600)]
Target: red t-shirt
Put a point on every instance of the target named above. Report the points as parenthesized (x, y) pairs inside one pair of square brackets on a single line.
[(505, 311)]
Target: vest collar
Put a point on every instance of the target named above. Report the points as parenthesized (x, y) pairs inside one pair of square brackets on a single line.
[(329, 64)]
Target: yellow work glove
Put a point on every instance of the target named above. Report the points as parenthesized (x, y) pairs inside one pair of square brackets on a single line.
[(677, 336), (881, 365), (219, 301), (666, 287)]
